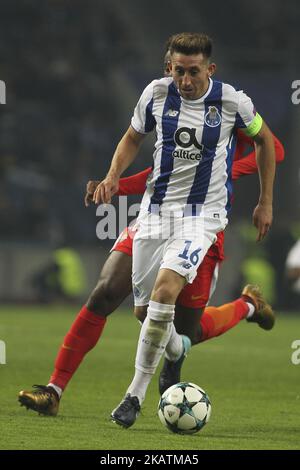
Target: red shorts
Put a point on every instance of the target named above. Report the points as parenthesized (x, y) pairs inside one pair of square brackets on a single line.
[(124, 241), (197, 294)]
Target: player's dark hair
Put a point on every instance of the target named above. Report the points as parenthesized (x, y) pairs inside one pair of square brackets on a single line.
[(167, 52), (190, 43)]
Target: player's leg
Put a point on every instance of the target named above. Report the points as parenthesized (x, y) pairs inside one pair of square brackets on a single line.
[(215, 321), (201, 324), (113, 287), (157, 330), (188, 311), (190, 305), (155, 334), (180, 259), (212, 321), (143, 279), (193, 299)]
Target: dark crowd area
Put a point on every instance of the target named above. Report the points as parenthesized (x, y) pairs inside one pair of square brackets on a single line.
[(73, 72)]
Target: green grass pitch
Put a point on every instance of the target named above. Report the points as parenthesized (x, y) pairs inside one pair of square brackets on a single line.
[(248, 374)]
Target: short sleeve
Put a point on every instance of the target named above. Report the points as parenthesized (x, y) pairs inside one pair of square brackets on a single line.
[(247, 118), (143, 120)]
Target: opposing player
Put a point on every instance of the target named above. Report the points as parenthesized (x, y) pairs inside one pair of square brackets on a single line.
[(194, 119), (113, 287)]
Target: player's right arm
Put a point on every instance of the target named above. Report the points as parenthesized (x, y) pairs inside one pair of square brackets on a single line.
[(134, 184), (124, 155), (143, 122)]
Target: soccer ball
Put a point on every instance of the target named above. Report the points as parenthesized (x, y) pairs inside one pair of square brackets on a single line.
[(184, 408)]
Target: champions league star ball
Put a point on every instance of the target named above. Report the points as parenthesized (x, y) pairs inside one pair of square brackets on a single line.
[(184, 408)]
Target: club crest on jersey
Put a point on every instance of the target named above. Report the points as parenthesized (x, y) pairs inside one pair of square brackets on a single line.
[(212, 117)]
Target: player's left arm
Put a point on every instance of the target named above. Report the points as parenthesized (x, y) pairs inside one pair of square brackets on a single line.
[(248, 119), (246, 164), (265, 157)]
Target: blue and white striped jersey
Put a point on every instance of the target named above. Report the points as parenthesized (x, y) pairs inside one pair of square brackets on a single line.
[(194, 147)]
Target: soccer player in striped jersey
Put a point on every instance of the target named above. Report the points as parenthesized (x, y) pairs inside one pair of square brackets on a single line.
[(195, 119), (114, 285)]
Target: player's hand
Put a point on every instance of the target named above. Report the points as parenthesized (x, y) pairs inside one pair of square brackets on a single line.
[(106, 189), (262, 219), (90, 189)]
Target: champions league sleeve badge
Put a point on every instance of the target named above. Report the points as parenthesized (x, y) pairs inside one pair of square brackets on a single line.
[(212, 117)]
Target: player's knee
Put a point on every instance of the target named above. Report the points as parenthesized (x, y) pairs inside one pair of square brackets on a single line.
[(164, 294), (140, 313), (103, 299)]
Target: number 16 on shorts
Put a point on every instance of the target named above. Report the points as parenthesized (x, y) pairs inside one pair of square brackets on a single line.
[(192, 258)]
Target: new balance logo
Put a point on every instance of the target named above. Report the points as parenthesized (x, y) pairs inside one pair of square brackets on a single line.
[(171, 113), (186, 265)]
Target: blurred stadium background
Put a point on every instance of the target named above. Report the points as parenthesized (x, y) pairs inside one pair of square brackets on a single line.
[(73, 72)]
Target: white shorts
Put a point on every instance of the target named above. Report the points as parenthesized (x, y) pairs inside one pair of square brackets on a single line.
[(179, 244)]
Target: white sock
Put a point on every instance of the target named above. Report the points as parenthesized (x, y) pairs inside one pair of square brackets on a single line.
[(174, 347), (139, 385), (251, 310), (154, 337), (56, 388)]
